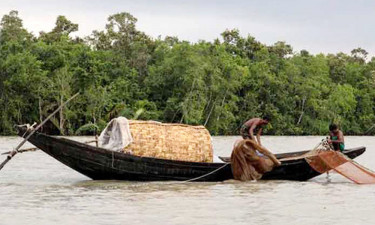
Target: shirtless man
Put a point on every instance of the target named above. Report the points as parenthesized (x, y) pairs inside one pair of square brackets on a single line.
[(336, 138), (248, 129)]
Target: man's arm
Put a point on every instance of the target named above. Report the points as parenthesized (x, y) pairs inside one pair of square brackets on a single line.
[(330, 138), (340, 138), (258, 135), (267, 153)]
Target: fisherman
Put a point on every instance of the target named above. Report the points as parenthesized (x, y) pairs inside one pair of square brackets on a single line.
[(336, 138), (254, 125), (247, 164)]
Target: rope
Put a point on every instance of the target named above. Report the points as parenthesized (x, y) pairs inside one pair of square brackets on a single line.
[(178, 182), (113, 159), (205, 175)]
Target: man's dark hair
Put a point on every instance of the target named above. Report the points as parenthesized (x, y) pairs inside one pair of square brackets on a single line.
[(333, 127), (267, 117)]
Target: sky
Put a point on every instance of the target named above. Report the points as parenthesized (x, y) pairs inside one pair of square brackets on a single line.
[(318, 26)]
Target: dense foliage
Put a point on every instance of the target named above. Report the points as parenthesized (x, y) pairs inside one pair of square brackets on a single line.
[(219, 84)]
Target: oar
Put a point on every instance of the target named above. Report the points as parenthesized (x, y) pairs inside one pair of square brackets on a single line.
[(15, 151)]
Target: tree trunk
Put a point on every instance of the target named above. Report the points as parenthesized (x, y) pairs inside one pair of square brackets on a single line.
[(302, 110), (222, 103), (40, 112), (209, 114), (61, 116)]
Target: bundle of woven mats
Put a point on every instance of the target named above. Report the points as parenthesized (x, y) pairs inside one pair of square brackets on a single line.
[(170, 141)]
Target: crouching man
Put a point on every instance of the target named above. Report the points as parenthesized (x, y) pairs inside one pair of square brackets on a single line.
[(336, 138), (248, 164)]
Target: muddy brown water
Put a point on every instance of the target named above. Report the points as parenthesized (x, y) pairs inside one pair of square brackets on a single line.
[(37, 189)]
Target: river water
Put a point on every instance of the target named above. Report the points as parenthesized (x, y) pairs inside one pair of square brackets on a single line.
[(37, 189)]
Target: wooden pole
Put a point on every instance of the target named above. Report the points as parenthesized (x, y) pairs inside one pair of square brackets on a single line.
[(21, 151), (15, 151)]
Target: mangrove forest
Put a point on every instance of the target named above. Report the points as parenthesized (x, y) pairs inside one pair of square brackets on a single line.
[(122, 71)]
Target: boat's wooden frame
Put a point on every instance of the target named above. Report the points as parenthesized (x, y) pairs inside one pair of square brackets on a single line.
[(102, 164)]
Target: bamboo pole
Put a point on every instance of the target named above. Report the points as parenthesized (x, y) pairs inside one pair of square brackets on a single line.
[(93, 141), (21, 151), (34, 149), (15, 151)]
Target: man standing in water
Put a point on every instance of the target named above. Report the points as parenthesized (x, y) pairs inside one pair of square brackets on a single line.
[(254, 125), (336, 138)]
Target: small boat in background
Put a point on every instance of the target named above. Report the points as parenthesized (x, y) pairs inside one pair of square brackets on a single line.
[(102, 164)]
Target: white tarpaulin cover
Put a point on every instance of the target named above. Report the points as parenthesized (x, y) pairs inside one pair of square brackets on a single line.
[(116, 136)]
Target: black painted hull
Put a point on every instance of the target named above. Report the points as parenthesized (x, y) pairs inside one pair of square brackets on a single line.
[(102, 164)]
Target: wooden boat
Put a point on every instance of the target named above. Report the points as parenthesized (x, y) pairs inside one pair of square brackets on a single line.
[(102, 164)]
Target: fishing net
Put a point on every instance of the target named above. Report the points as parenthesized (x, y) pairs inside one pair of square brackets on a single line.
[(248, 164), (323, 159), (343, 165), (170, 141)]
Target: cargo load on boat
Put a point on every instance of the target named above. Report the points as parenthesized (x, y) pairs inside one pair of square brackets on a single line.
[(170, 141), (158, 140)]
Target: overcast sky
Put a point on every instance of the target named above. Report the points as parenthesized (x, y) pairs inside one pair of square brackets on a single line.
[(315, 25)]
